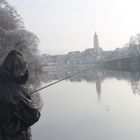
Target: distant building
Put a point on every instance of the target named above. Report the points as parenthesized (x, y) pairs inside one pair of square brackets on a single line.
[(88, 56), (96, 43), (73, 58), (107, 54), (74, 53)]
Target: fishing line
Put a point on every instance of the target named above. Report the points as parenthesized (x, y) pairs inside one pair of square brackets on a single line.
[(61, 80)]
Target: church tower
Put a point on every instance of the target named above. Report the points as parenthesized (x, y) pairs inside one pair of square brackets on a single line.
[(96, 43)]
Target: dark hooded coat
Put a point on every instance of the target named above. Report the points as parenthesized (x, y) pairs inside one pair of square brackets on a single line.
[(17, 112)]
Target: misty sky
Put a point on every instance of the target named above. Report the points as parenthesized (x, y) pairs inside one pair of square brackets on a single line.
[(69, 25)]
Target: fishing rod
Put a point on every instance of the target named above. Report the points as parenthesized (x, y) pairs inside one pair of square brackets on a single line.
[(60, 80)]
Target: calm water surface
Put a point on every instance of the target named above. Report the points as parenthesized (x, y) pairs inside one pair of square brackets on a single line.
[(95, 105)]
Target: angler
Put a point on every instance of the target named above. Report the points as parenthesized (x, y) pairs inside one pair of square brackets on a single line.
[(17, 112)]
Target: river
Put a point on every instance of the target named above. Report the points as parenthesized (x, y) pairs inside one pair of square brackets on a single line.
[(94, 105)]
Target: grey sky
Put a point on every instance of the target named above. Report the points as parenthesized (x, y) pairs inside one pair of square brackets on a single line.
[(69, 25)]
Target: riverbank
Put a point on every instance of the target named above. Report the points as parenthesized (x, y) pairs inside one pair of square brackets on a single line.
[(48, 68)]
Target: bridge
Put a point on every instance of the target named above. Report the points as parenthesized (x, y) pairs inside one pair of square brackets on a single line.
[(122, 63)]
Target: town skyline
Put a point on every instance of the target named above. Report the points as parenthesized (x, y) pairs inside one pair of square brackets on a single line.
[(67, 26)]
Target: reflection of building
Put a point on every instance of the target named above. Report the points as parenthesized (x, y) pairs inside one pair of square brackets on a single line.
[(93, 76), (98, 86)]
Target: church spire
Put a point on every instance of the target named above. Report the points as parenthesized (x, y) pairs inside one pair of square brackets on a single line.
[(96, 43)]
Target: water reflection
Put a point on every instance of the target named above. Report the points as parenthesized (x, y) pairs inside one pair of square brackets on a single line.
[(71, 110), (96, 76)]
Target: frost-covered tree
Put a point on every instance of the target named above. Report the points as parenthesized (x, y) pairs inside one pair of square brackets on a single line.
[(9, 18), (134, 40), (134, 45), (138, 39), (13, 34)]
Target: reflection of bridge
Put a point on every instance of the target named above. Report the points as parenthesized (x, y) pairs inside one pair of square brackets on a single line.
[(109, 59), (61, 67), (124, 63)]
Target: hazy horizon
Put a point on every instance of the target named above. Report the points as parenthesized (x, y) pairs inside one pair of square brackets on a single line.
[(63, 26)]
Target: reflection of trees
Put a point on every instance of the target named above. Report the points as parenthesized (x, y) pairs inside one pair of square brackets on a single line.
[(135, 82), (89, 76), (135, 87), (132, 76), (94, 76)]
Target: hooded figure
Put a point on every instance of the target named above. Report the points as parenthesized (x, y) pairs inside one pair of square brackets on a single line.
[(17, 112)]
